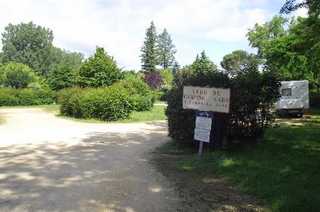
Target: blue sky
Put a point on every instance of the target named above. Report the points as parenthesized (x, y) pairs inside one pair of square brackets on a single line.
[(216, 26)]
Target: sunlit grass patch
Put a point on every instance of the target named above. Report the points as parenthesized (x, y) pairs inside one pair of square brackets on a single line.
[(283, 171)]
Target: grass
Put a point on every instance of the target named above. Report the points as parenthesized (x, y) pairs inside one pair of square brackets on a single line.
[(156, 114), (283, 171)]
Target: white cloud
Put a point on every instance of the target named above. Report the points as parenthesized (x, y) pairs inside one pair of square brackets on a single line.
[(119, 25)]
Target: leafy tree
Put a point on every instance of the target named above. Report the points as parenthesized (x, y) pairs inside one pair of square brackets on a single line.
[(17, 75), (292, 5), (237, 62), (64, 69), (149, 51), (261, 35), (99, 70), (277, 45), (307, 32), (203, 64), (166, 50), (289, 48), (29, 44)]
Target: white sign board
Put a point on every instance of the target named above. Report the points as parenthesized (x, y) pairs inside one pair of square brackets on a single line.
[(202, 129), (206, 99), (203, 123), (202, 135)]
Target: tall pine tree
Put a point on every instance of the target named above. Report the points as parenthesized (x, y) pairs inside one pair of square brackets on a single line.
[(166, 50), (149, 56)]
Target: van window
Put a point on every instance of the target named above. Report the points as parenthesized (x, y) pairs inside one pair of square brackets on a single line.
[(286, 92)]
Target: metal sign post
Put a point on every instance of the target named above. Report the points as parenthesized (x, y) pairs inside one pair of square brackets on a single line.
[(200, 148), (205, 99), (202, 130)]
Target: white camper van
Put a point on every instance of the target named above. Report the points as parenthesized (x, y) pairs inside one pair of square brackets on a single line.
[(294, 98)]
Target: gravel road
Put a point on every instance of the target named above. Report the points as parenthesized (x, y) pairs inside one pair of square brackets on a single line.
[(53, 164)]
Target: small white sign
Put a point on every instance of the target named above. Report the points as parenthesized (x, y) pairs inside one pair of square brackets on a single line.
[(202, 129), (206, 99), (203, 123), (202, 135)]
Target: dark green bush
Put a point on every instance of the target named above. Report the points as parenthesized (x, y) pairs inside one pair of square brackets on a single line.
[(141, 103), (110, 104), (252, 95), (25, 97), (69, 99), (8, 97), (180, 121), (315, 100), (140, 95)]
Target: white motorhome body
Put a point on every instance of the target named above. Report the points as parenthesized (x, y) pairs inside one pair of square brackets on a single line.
[(294, 97)]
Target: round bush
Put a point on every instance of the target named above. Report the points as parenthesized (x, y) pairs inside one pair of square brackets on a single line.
[(110, 104), (69, 99), (140, 95)]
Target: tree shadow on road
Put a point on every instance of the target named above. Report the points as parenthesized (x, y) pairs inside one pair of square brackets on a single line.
[(104, 171)]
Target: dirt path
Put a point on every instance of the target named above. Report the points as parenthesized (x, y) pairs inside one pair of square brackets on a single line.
[(52, 164)]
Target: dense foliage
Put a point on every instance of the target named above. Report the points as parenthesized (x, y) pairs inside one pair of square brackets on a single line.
[(99, 70), (252, 95), (64, 69), (17, 75), (140, 95), (110, 104), (25, 97), (291, 48), (29, 44)]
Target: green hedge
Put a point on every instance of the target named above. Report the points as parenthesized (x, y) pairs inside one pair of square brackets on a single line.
[(253, 94), (110, 104), (141, 96), (25, 97)]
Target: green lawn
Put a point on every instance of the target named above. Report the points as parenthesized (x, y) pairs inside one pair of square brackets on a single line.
[(283, 171), (157, 113)]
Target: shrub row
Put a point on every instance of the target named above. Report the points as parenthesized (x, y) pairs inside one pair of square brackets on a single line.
[(253, 94), (25, 97), (110, 104)]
